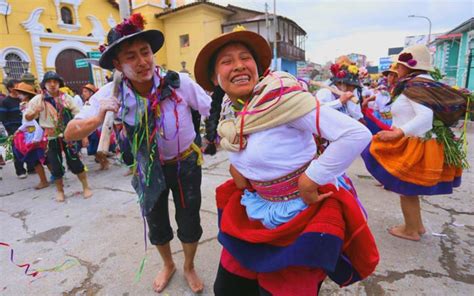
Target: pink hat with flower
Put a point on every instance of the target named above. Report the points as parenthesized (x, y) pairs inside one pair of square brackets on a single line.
[(416, 57)]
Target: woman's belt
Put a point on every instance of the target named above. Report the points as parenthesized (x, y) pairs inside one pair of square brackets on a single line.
[(281, 189), (386, 115)]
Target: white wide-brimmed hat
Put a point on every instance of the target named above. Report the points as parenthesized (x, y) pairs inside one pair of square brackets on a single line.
[(416, 57)]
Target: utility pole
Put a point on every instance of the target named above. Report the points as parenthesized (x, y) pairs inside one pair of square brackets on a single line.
[(275, 26), (124, 8), (267, 23)]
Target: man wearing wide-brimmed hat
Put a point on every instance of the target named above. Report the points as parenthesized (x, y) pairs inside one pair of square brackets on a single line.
[(54, 109), (156, 112)]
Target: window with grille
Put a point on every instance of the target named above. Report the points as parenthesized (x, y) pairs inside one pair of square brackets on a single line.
[(184, 40), (66, 15), (15, 66)]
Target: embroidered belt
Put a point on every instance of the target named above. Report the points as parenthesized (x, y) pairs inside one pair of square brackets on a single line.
[(186, 153), (386, 115), (281, 189)]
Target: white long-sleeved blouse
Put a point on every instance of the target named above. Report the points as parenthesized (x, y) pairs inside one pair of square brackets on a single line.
[(276, 152)]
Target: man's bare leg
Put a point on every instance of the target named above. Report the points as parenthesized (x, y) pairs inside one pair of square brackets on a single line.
[(42, 176), (194, 282), (164, 276), (59, 190), (85, 184)]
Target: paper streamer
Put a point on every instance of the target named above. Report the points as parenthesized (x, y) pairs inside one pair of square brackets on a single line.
[(25, 265), (67, 264)]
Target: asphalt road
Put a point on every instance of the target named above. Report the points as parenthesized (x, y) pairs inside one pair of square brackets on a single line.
[(101, 242)]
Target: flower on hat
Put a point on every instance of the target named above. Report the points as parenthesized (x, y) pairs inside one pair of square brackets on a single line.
[(412, 63), (239, 28), (353, 69), (133, 24), (102, 47), (334, 68), (405, 57), (341, 74)]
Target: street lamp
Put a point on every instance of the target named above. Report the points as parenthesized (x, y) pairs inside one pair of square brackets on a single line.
[(469, 61), (429, 21)]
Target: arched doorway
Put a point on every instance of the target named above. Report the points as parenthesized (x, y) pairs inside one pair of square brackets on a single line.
[(73, 77)]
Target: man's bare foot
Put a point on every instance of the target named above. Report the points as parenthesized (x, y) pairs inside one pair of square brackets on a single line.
[(163, 278), (401, 232), (193, 280), (422, 230), (87, 193), (60, 196), (41, 185)]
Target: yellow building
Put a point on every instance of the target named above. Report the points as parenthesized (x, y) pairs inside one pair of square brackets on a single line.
[(41, 35)]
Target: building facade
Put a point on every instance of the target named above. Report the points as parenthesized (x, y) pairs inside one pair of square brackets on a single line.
[(454, 49), (43, 35)]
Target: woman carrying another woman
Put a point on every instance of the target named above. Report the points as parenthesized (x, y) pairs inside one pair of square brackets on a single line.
[(285, 222)]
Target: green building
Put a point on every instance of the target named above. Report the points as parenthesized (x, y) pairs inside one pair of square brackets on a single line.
[(454, 50)]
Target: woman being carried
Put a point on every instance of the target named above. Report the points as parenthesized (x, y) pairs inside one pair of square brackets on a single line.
[(285, 222)]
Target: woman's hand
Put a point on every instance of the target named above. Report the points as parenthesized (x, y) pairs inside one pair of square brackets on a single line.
[(392, 135), (345, 97), (240, 181), (309, 190)]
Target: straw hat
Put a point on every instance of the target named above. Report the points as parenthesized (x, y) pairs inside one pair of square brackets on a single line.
[(126, 30), (392, 69), (25, 88), (416, 57), (204, 68), (90, 87)]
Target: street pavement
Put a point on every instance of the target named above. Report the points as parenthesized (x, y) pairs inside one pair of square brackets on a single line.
[(101, 240)]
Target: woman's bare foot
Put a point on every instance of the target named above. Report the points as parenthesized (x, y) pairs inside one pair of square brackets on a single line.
[(87, 193), (60, 196), (41, 186), (193, 280), (422, 230), (401, 232), (163, 278)]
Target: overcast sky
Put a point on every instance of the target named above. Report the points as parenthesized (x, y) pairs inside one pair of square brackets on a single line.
[(370, 27)]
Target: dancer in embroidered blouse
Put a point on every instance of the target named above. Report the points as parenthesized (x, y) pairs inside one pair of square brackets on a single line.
[(420, 154), (54, 110), (155, 109), (280, 217), (345, 78)]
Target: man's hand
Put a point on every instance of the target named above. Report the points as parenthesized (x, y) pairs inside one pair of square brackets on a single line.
[(392, 135), (345, 97), (109, 104), (39, 108), (309, 190)]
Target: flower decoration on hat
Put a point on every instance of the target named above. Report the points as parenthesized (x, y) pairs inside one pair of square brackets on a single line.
[(353, 69), (135, 23), (344, 72), (239, 28), (334, 69), (407, 58)]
